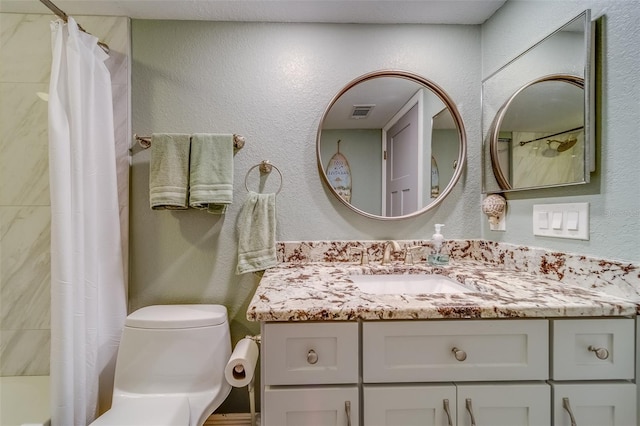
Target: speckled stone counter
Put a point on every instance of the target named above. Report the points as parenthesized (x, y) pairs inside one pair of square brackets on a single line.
[(325, 291), (313, 283)]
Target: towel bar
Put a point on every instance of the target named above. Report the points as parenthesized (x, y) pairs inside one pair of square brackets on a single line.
[(265, 167), (145, 141)]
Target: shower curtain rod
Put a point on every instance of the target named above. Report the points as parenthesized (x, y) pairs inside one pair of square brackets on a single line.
[(60, 14), (523, 143)]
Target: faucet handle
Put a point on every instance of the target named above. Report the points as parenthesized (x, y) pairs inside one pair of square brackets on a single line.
[(408, 254), (364, 256)]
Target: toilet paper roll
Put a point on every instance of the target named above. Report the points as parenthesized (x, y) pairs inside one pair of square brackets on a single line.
[(242, 363)]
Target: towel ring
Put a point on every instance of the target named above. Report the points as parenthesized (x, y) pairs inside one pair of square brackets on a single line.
[(265, 167)]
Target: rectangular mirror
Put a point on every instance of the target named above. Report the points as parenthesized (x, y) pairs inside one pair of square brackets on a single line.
[(537, 114)]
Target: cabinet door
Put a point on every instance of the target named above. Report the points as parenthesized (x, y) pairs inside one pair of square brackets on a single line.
[(594, 404), (316, 406), (394, 405), (504, 405)]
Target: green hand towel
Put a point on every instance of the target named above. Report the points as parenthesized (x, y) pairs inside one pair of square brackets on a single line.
[(211, 175), (169, 171), (257, 233)]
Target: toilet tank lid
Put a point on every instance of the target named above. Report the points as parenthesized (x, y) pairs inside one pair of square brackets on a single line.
[(177, 316)]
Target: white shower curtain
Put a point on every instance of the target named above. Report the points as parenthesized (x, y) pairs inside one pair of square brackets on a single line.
[(88, 295)]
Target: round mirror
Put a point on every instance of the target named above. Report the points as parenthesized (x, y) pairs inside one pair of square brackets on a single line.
[(391, 145), (537, 137)]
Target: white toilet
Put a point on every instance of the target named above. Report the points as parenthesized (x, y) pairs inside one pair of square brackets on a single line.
[(170, 366)]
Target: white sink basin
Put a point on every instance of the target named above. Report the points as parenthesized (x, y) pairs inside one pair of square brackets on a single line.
[(407, 284)]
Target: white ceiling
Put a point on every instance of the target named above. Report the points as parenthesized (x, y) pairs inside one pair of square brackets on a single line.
[(334, 11)]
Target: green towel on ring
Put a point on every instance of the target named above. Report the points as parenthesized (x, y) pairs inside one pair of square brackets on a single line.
[(257, 233)]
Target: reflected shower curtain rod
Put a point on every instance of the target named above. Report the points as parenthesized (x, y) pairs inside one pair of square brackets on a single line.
[(60, 14), (523, 143)]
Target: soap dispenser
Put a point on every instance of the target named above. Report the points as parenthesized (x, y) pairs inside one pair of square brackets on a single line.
[(437, 257)]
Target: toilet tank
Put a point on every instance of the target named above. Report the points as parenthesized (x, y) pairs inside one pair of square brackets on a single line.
[(173, 349)]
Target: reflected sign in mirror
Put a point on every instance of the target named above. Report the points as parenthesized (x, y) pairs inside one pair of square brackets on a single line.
[(392, 126), (539, 107)]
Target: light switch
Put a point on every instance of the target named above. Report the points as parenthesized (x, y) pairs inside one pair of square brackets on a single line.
[(572, 220), (543, 220), (569, 220), (556, 220)]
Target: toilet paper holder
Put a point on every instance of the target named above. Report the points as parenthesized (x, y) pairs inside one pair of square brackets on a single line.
[(240, 368)]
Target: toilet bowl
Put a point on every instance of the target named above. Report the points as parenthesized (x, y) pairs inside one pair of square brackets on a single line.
[(170, 366)]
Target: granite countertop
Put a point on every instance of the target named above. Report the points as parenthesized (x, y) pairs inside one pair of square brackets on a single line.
[(320, 291)]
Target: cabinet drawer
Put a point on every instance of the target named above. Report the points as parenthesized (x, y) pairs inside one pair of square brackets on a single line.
[(310, 353), (467, 350), (311, 406), (587, 349)]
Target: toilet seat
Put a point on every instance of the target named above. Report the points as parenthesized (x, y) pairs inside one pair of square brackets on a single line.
[(147, 411)]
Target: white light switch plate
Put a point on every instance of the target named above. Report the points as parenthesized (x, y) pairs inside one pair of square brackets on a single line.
[(570, 220)]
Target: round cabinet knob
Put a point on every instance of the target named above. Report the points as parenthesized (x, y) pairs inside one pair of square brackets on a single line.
[(312, 357), (601, 353), (459, 354)]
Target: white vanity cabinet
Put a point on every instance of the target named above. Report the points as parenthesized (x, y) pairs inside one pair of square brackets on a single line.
[(488, 372), (310, 374)]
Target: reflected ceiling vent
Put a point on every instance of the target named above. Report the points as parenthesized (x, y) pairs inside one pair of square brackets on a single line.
[(361, 111)]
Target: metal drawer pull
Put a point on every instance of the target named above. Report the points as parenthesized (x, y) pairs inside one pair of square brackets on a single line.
[(312, 356), (445, 402), (470, 410), (567, 406), (601, 353), (459, 354), (347, 409)]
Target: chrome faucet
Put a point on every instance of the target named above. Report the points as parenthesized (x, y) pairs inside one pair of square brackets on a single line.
[(389, 247)]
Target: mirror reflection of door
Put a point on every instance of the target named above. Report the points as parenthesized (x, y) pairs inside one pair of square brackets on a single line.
[(403, 173), (444, 148)]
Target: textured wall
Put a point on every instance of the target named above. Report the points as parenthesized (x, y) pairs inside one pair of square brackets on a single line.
[(25, 63), (614, 191), (271, 83)]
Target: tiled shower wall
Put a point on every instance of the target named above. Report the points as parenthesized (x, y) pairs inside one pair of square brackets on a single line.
[(25, 62)]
